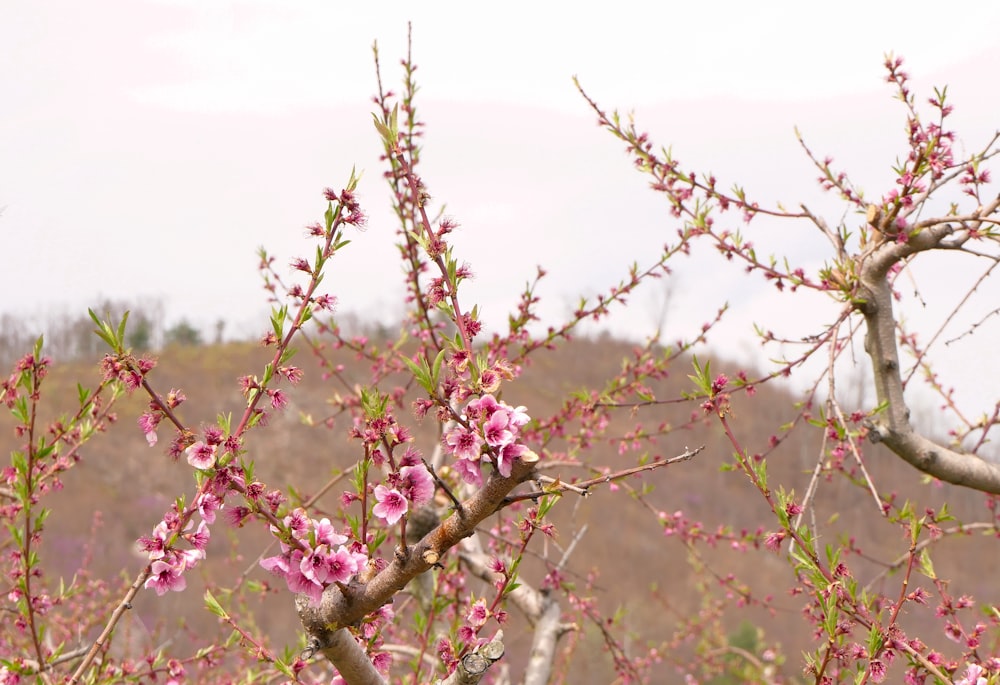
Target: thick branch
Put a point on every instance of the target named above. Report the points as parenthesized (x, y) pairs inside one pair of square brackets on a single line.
[(337, 610), (540, 608), (892, 427), (473, 666), (350, 659)]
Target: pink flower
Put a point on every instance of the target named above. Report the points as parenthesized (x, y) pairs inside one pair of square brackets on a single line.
[(164, 577), (199, 539), (279, 400), (469, 470), (298, 581), (506, 457), (148, 423), (277, 565), (773, 540), (341, 565), (464, 444), (326, 534), (495, 430), (391, 504), (314, 567), (518, 416), (200, 455), (156, 544), (208, 504), (298, 523), (973, 676), (481, 408), (189, 558), (416, 484), (478, 613), (382, 661), (292, 373)]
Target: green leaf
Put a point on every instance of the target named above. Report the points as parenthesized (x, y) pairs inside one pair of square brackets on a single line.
[(284, 669), (926, 566), (121, 328), (213, 605), (103, 331), (330, 216), (420, 373), (436, 371)]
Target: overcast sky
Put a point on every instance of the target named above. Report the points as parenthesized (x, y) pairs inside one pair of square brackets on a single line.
[(149, 147)]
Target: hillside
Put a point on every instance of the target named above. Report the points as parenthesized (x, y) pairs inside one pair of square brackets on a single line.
[(646, 573)]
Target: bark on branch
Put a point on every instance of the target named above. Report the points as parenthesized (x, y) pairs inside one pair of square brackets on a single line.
[(892, 427), (540, 608), (325, 622)]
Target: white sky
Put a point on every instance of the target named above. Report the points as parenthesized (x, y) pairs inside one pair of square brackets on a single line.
[(149, 147)]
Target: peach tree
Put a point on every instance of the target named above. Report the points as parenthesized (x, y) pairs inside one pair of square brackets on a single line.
[(452, 483)]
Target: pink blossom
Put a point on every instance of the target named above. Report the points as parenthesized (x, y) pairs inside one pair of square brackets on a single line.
[(148, 422), (495, 429), (343, 564), (189, 558), (973, 676), (411, 457), (478, 613), (506, 457), (201, 455), (277, 565), (326, 534), (481, 408), (391, 504), (9, 677), (773, 540), (237, 516), (164, 577), (156, 544), (382, 661), (416, 484), (298, 523), (199, 539), (297, 581), (208, 504), (464, 444), (469, 470), (314, 566), (518, 416), (325, 302), (279, 400), (292, 373)]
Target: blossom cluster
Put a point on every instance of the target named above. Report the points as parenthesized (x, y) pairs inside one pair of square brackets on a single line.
[(315, 556), (412, 484), (168, 562), (150, 419), (490, 432)]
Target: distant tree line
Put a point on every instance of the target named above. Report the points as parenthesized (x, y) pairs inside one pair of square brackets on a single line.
[(71, 336)]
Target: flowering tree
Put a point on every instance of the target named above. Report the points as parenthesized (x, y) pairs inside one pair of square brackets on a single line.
[(451, 482)]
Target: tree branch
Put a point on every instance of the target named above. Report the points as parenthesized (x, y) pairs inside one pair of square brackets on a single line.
[(541, 610), (350, 658), (892, 427), (473, 666), (323, 621)]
